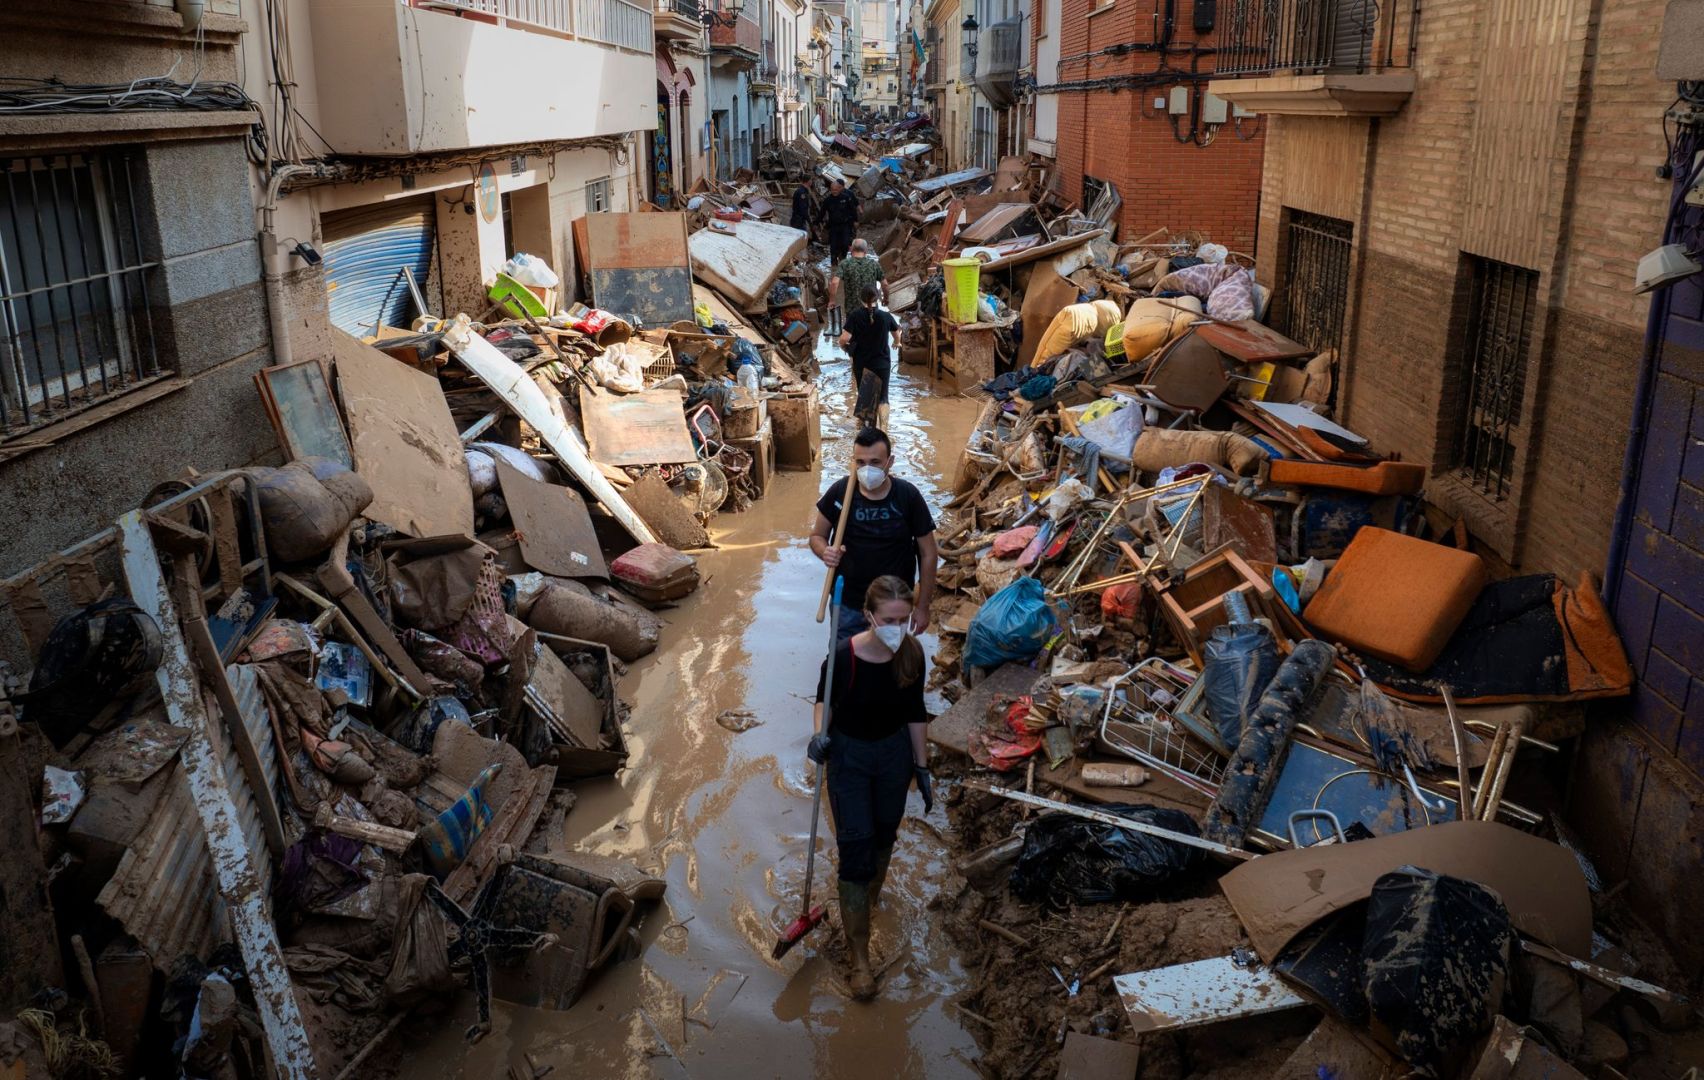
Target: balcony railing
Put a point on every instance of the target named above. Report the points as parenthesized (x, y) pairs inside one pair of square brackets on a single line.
[(744, 35), (998, 61), (690, 10), (1263, 37), (618, 23)]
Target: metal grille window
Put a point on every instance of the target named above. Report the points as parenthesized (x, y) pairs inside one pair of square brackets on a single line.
[(74, 321), (1316, 278), (597, 195), (1093, 188), (1500, 313)]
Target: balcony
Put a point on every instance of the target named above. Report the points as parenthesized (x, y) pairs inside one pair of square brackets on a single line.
[(743, 39), (1318, 57), (455, 75), (998, 60), (678, 20)]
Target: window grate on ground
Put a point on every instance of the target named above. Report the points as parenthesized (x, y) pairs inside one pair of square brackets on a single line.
[(1498, 337), (75, 327)]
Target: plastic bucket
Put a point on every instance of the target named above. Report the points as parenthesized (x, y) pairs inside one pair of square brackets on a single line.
[(962, 278)]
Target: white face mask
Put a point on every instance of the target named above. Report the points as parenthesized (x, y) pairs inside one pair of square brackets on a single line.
[(871, 477), (891, 636)]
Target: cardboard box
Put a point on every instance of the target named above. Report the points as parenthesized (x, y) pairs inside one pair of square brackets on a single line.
[(797, 422), (745, 419), (575, 762), (761, 447)]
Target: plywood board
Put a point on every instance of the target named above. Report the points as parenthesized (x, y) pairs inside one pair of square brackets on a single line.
[(1298, 417), (1250, 341), (638, 264), (666, 514), (1277, 896), (552, 525), (404, 442), (637, 429), (1086, 1057), (744, 263)]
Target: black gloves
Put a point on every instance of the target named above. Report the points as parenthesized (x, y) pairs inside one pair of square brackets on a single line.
[(817, 749), (925, 786)]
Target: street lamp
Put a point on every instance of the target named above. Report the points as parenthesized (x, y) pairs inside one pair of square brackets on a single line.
[(968, 29)]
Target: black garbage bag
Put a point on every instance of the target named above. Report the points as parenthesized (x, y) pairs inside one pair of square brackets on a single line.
[(1436, 959), (1238, 662), (1068, 859), (93, 661)]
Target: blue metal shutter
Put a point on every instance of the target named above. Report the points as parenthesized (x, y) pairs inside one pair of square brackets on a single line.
[(365, 251)]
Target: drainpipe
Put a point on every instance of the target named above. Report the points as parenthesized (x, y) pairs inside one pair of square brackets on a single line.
[(272, 259)]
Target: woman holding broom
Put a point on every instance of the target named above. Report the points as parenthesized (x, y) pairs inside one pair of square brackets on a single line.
[(874, 749)]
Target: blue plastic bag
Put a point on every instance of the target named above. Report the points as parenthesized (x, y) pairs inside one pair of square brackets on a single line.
[(1013, 625)]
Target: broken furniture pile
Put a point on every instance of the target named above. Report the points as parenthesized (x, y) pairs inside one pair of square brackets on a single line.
[(1221, 633), (297, 743)]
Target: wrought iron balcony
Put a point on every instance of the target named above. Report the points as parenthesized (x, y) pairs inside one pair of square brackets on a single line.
[(1340, 37), (1317, 57), (679, 20)]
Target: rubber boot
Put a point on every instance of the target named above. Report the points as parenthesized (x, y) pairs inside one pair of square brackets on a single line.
[(884, 855), (855, 919)]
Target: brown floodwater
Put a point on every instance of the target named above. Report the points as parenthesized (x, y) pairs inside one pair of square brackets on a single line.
[(724, 817)]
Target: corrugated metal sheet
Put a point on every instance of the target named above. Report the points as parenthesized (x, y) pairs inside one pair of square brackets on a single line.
[(163, 892), (365, 251), (246, 687)]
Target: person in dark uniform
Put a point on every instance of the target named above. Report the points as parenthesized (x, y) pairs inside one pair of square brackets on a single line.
[(840, 214), (801, 218), (890, 532), (865, 338), (874, 751)]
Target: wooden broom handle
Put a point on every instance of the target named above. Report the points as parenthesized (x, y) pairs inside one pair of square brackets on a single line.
[(838, 540)]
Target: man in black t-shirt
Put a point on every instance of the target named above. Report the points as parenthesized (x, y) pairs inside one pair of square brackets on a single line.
[(865, 339), (890, 532)]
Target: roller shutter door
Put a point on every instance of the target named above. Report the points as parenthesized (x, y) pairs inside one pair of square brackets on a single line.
[(365, 251)]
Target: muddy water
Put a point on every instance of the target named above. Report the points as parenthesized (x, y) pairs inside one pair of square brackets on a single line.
[(724, 817)]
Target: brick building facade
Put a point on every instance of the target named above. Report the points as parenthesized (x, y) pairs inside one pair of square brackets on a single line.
[(1485, 178), (1110, 130)]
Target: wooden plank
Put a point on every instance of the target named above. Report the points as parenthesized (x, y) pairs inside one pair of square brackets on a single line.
[(404, 441), (636, 429), (240, 881)]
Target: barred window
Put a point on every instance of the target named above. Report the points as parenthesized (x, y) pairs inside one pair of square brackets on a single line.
[(75, 327), (1500, 314), (597, 195)]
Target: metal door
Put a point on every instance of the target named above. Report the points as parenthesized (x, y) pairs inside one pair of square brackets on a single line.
[(366, 249)]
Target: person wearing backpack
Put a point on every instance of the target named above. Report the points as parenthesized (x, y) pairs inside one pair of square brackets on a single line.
[(874, 752)]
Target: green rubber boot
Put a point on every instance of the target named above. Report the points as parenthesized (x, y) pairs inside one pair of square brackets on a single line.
[(855, 919), (883, 857)]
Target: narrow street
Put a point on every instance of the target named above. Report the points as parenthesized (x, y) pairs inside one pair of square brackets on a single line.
[(724, 817)]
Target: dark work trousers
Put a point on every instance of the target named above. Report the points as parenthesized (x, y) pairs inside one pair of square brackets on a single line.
[(880, 371), (867, 784), (839, 243), (850, 620)]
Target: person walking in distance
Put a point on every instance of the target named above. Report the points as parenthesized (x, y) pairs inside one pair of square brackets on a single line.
[(874, 751), (865, 339), (859, 268), (889, 532), (840, 213), (801, 218)]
